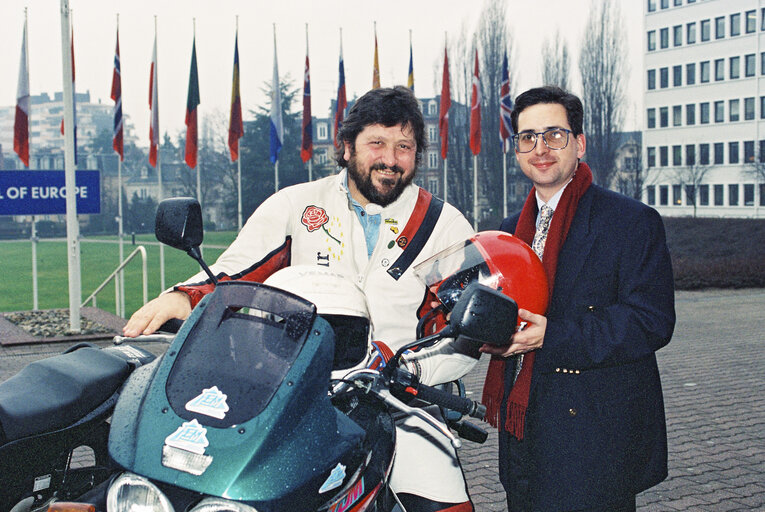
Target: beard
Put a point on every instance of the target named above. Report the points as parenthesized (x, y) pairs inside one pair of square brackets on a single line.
[(395, 185)]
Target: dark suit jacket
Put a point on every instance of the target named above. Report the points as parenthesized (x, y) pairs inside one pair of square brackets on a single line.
[(595, 423)]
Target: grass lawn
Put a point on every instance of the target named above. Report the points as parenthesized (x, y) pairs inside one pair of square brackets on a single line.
[(99, 257)]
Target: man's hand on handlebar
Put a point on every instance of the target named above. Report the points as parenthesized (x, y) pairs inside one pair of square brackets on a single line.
[(156, 312)]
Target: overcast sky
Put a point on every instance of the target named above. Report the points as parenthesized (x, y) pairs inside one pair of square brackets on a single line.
[(429, 20)]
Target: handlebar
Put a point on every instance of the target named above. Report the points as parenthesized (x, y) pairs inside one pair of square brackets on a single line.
[(462, 405)]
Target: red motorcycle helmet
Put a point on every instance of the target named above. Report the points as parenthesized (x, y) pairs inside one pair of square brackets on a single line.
[(495, 259)]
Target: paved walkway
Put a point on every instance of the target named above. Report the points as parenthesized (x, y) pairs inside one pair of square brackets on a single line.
[(713, 373)]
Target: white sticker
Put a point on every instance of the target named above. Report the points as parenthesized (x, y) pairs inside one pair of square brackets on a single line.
[(190, 436), (41, 482), (334, 480), (211, 402)]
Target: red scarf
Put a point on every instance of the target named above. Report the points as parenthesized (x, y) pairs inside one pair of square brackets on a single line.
[(494, 387)]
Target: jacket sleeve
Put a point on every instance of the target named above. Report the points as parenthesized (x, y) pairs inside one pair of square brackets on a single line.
[(621, 306), (262, 247)]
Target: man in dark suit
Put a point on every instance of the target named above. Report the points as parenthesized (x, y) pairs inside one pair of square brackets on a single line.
[(578, 396)]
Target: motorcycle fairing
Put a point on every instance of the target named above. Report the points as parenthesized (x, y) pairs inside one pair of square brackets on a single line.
[(266, 450)]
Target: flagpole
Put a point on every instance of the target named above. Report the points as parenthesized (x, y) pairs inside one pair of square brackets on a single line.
[(446, 183), (475, 192), (199, 177), (275, 92), (159, 166), (504, 178), (72, 227), (238, 163), (120, 225), (310, 160)]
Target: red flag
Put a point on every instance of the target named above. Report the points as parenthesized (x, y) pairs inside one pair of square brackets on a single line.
[(154, 107), (192, 102), (475, 111), (74, 101), (443, 112), (117, 138), (306, 147), (235, 125), (376, 70), (342, 102), (21, 122), (505, 105)]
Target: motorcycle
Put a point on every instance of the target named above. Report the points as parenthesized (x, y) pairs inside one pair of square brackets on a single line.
[(240, 413), (54, 411)]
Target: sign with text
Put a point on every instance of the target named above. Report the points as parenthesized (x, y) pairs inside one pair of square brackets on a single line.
[(44, 192)]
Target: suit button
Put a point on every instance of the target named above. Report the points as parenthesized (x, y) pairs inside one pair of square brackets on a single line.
[(565, 370), (590, 308), (557, 370), (572, 411)]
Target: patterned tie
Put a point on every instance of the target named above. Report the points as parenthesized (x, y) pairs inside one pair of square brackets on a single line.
[(538, 246)]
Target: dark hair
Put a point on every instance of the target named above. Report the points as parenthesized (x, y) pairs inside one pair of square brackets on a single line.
[(550, 94), (387, 106)]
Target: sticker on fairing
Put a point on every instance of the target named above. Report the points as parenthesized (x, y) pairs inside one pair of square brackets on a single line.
[(351, 497), (211, 402), (190, 436), (334, 480)]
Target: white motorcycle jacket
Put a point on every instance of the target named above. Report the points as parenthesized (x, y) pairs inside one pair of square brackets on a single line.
[(315, 223)]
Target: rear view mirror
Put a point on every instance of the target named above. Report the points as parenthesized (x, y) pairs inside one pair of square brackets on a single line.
[(484, 315), (179, 223)]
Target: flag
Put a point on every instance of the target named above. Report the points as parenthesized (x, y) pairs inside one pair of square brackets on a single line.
[(117, 137), (306, 146), (154, 107), (505, 105), (376, 70), (446, 103), (342, 102), (74, 100), (192, 102), (277, 130), (410, 76), (475, 111), (235, 125), (21, 122)]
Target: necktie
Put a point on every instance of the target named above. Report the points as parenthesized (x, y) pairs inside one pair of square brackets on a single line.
[(538, 246)]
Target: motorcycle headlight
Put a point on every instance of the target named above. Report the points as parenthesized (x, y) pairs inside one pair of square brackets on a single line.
[(133, 493), (220, 505)]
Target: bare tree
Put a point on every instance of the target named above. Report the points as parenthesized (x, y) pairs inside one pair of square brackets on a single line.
[(690, 177), (555, 61), (604, 70)]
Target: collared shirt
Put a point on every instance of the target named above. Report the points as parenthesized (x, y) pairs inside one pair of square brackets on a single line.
[(552, 203), (369, 218)]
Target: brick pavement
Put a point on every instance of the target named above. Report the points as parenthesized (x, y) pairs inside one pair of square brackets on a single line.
[(713, 374)]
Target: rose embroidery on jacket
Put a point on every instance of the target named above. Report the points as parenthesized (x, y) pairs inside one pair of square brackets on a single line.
[(314, 218)]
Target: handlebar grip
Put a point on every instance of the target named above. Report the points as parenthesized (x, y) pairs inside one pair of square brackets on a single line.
[(454, 402)]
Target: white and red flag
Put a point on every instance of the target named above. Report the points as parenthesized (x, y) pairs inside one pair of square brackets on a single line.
[(154, 106), (21, 122)]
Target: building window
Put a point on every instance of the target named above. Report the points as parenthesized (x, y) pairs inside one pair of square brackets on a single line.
[(719, 111), (690, 33), (762, 107), (663, 156), (322, 160), (690, 195), (733, 194), (749, 65), (321, 131), (663, 195), (664, 38), (704, 113), (762, 17), (664, 4), (762, 194), (748, 194), (432, 108), (720, 27), (651, 40), (704, 71), (690, 155), (651, 118), (703, 195), (704, 154), (651, 194), (677, 115), (751, 21), (705, 30), (748, 109), (690, 73), (748, 151), (677, 195), (677, 156), (735, 67), (432, 133), (677, 35), (762, 63), (651, 79), (733, 106), (678, 3), (733, 152), (433, 159), (719, 69), (663, 117), (433, 185), (719, 192), (762, 151), (651, 5), (664, 78), (651, 155), (735, 24), (690, 114), (719, 148), (677, 76)]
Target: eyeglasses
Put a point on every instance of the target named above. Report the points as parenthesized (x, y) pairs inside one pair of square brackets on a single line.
[(555, 138)]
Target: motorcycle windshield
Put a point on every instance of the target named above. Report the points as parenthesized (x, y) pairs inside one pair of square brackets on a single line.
[(237, 355)]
